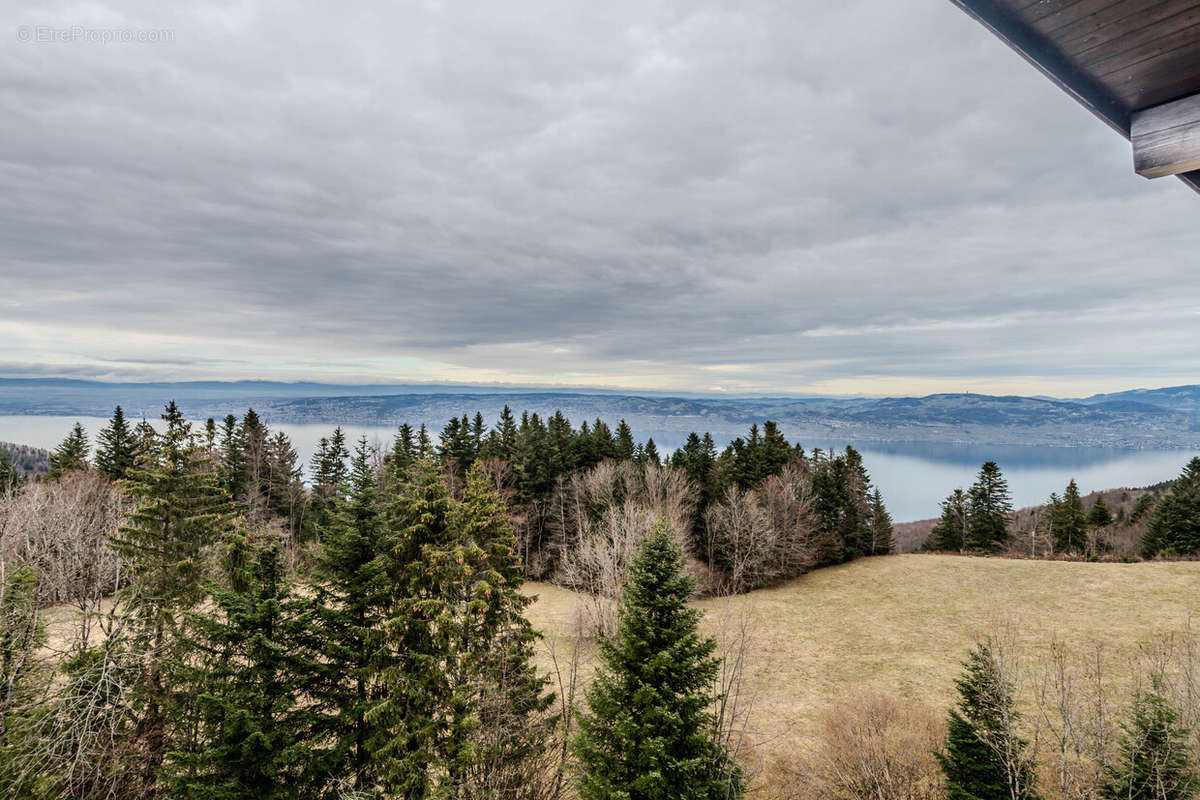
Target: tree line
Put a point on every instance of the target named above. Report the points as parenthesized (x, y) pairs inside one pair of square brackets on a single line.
[(396, 661), (1163, 522), (757, 511)]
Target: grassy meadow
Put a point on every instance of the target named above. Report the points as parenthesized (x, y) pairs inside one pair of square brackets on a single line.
[(902, 624)]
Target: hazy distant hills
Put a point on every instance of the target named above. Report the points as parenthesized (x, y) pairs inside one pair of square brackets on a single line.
[(1140, 418)]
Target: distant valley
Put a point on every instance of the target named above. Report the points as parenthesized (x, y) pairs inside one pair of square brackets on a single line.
[(1156, 418)]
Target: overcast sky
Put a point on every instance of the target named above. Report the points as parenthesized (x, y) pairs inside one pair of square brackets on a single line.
[(854, 197)]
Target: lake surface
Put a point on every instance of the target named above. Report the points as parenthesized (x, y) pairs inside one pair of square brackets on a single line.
[(914, 477)]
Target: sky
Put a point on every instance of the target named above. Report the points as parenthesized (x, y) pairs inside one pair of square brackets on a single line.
[(794, 196)]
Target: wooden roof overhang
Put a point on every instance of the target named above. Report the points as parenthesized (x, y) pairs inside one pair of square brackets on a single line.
[(1135, 64)]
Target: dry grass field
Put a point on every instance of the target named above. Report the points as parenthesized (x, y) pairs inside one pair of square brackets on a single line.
[(902, 624)]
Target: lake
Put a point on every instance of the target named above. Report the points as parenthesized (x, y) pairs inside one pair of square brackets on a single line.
[(914, 477)]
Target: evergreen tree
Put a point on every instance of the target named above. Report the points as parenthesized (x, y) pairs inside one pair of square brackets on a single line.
[(424, 444), (984, 758), (650, 454), (286, 496), (1175, 527), (508, 435), (416, 683), (1069, 521), (10, 476), (116, 448), (233, 456), (71, 453), (354, 601), (648, 733), (1100, 516), (403, 452), (988, 511), (329, 480), (882, 540), (181, 510), (22, 634), (1156, 758), (624, 443), (953, 529), (244, 680), (776, 452), (496, 725)]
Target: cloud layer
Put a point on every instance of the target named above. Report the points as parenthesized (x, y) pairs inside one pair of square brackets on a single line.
[(852, 197)]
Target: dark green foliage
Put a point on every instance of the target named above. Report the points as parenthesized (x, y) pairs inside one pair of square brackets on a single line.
[(417, 687), (882, 539), (624, 443), (496, 724), (233, 456), (10, 476), (21, 635), (841, 485), (116, 448), (181, 510), (1143, 505), (952, 531), (328, 476), (1100, 516), (984, 758), (1069, 521), (1156, 759), (354, 602), (71, 453), (1175, 527), (648, 733), (242, 683), (989, 507)]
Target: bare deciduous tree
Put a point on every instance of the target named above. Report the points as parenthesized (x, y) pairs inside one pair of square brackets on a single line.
[(61, 528)]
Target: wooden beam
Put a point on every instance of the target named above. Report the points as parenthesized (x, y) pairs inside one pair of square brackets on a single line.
[(1166, 138), (997, 17)]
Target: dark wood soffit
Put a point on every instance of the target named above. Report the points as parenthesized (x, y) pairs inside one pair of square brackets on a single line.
[(1001, 18)]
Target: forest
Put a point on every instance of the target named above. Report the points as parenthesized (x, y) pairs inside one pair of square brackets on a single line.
[(228, 624)]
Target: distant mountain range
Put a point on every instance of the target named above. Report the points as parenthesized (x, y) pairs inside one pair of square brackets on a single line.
[(1141, 418)]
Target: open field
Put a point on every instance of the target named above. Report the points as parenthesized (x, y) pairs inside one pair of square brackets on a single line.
[(902, 624)]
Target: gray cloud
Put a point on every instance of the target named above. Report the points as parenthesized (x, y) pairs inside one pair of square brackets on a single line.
[(751, 196)]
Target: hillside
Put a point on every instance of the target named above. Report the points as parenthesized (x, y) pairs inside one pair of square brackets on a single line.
[(1159, 418), (1121, 502), (28, 460), (902, 624)]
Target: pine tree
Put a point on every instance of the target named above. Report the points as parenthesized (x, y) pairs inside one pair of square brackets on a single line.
[(648, 733), (416, 684), (624, 442), (116, 448), (22, 634), (1070, 523), (883, 540), (354, 601), (989, 507), (1100, 516), (403, 452), (651, 456), (1156, 758), (10, 476), (508, 435), (496, 727), (1175, 526), (776, 452), (71, 453), (244, 682), (984, 758), (233, 456), (181, 510), (952, 531)]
